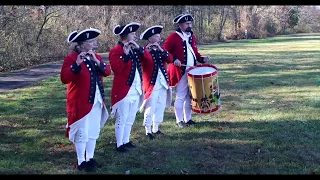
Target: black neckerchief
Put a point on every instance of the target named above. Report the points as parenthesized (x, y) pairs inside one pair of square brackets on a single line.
[(121, 43)]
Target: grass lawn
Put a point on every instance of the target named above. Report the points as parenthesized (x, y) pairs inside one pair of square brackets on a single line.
[(268, 122)]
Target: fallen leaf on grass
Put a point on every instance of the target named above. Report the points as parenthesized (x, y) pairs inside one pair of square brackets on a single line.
[(210, 148), (75, 165), (271, 102), (313, 172), (45, 121), (257, 151), (184, 171), (10, 97)]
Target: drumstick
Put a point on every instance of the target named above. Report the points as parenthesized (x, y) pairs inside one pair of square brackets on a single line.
[(186, 65)]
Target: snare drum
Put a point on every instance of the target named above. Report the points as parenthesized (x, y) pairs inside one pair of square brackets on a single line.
[(204, 88)]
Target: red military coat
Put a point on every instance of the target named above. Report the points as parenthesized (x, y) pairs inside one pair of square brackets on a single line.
[(178, 48), (150, 66), (124, 69), (81, 86)]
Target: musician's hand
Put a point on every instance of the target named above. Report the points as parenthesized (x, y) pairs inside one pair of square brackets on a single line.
[(126, 48), (177, 62), (206, 58), (93, 56), (148, 47), (134, 44), (80, 58), (158, 46)]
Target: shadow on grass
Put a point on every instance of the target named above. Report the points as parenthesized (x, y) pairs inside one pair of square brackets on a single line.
[(210, 147), (36, 162)]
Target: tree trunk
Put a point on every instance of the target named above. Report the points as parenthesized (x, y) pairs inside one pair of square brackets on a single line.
[(223, 18)]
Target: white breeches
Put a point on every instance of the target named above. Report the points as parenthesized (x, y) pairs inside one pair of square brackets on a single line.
[(126, 115), (182, 104), (88, 126), (154, 110)]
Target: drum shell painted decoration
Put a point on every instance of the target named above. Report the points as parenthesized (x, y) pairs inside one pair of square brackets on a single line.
[(204, 88)]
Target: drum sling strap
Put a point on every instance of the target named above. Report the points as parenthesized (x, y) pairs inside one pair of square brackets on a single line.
[(186, 39)]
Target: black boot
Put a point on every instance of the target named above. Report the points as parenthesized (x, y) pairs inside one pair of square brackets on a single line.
[(82, 166), (151, 137), (129, 145), (86, 167), (121, 149), (191, 122), (159, 133), (92, 162)]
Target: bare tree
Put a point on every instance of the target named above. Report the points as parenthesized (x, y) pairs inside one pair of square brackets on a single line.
[(224, 14), (34, 34), (47, 16), (235, 14)]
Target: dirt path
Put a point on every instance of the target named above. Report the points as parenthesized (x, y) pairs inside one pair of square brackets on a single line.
[(26, 77), (18, 79)]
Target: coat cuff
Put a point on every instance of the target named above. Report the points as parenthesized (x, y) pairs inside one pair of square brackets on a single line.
[(75, 68), (201, 60), (175, 57)]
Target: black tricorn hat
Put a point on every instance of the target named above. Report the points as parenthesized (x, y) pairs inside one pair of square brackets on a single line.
[(71, 36), (183, 18), (126, 29), (151, 31), (83, 35)]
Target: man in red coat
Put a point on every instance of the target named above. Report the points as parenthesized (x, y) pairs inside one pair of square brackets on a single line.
[(126, 92), (182, 45), (83, 71), (155, 81)]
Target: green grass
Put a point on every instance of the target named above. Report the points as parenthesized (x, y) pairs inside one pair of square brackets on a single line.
[(268, 123)]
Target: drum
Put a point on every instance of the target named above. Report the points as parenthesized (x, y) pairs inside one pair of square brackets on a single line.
[(204, 88)]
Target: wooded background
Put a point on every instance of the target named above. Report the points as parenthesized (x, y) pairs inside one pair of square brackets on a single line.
[(32, 35)]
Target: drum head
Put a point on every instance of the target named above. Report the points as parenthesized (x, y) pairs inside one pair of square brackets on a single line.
[(202, 70)]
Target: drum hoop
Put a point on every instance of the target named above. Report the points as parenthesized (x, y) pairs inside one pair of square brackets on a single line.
[(209, 111), (205, 75)]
